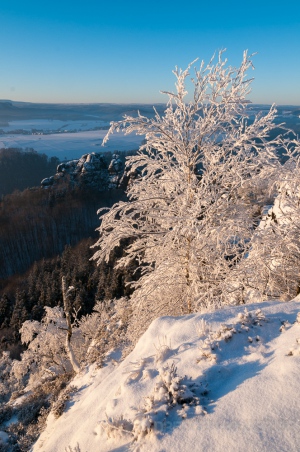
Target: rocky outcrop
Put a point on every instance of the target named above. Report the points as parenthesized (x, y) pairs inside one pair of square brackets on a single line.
[(90, 170), (115, 171)]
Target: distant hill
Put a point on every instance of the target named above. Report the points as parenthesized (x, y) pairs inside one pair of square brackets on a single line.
[(13, 110), (10, 110)]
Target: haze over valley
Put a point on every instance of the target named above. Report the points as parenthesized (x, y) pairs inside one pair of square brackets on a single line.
[(66, 131), (69, 130)]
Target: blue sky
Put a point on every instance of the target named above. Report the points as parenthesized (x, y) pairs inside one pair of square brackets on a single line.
[(122, 52)]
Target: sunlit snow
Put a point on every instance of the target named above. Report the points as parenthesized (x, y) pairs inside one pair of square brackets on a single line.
[(71, 145), (240, 365)]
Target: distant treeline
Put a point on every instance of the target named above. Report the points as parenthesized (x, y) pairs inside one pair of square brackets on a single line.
[(23, 169)]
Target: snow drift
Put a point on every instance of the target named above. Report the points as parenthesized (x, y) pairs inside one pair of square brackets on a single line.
[(227, 380)]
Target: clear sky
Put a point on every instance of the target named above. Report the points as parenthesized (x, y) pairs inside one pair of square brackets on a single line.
[(124, 51)]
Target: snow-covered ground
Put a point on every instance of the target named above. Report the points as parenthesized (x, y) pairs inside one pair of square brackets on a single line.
[(239, 392), (71, 145), (53, 125)]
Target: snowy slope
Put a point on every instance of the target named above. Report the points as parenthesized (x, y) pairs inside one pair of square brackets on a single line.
[(241, 392)]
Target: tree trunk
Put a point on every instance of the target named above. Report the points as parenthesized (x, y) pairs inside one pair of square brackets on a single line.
[(68, 345)]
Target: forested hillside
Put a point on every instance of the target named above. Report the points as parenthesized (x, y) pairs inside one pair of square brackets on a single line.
[(38, 223), (24, 297), (23, 169), (46, 233)]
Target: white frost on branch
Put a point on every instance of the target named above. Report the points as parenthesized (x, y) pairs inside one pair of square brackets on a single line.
[(272, 269), (188, 218)]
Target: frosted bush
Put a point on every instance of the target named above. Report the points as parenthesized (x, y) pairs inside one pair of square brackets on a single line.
[(163, 349), (169, 393)]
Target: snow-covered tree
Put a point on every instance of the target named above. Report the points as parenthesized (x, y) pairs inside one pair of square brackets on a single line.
[(50, 350), (68, 313), (46, 354), (272, 267), (59, 345), (188, 216), (105, 329)]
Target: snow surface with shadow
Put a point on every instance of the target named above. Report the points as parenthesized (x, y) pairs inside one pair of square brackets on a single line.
[(232, 379)]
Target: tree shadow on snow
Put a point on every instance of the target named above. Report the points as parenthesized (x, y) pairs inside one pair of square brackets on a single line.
[(240, 358), (243, 357)]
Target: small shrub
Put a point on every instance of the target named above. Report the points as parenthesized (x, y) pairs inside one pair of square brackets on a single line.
[(59, 406)]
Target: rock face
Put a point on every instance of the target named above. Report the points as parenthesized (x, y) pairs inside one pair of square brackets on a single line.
[(115, 171), (90, 170)]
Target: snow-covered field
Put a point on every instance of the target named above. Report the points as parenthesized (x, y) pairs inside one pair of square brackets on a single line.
[(71, 145), (73, 138), (239, 392), (53, 125)]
